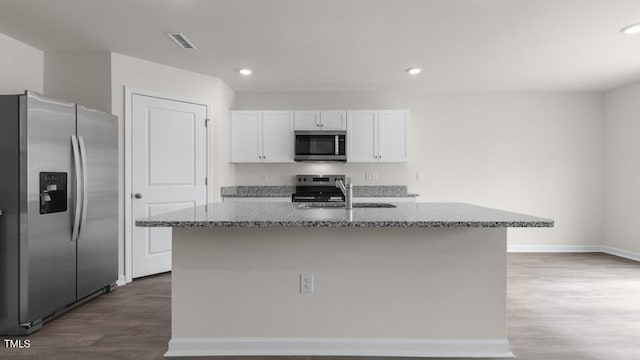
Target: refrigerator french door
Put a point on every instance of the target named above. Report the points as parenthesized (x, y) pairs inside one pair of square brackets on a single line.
[(58, 197), (97, 246)]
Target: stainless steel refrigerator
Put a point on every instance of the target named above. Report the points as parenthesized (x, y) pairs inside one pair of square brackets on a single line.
[(59, 208)]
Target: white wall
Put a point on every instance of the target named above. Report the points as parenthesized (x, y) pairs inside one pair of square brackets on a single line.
[(622, 181), (161, 79), (21, 67), (537, 153), (80, 77)]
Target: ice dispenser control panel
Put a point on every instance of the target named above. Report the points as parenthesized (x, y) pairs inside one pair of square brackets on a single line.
[(53, 192)]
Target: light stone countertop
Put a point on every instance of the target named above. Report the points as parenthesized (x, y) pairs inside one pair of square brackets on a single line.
[(292, 215)]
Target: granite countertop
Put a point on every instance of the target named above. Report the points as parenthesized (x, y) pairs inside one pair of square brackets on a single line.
[(249, 191), (295, 215)]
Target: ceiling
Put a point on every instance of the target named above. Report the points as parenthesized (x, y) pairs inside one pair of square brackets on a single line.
[(354, 45)]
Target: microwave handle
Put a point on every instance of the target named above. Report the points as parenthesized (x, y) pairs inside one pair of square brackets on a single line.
[(337, 145)]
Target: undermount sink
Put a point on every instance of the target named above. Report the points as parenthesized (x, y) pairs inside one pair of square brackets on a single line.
[(341, 205)]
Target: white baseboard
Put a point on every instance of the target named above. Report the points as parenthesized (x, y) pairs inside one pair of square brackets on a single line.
[(622, 253), (575, 249), (554, 248), (121, 280), (480, 348)]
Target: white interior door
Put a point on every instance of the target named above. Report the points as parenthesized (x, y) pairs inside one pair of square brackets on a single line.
[(169, 169)]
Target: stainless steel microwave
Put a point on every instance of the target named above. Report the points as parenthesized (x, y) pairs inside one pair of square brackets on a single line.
[(321, 145)]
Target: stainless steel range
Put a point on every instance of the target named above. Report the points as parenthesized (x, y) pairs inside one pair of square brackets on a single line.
[(318, 188)]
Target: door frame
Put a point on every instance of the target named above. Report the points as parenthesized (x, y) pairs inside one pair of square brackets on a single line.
[(129, 92)]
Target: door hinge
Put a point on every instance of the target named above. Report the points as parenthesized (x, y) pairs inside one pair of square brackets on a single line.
[(206, 122)]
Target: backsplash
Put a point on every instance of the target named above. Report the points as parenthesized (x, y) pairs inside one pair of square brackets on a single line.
[(283, 174), (261, 191)]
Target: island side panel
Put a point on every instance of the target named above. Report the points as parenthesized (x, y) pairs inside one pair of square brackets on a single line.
[(387, 283)]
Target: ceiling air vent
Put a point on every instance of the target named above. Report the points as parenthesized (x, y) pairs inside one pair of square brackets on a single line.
[(181, 40)]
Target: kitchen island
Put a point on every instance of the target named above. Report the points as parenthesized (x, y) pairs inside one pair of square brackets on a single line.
[(420, 279)]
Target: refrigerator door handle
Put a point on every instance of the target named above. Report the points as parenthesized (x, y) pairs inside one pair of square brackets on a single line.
[(76, 214), (85, 189)]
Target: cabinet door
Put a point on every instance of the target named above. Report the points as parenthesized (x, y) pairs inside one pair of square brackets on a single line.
[(362, 132), (246, 139), (277, 136), (307, 120), (392, 135), (333, 120)]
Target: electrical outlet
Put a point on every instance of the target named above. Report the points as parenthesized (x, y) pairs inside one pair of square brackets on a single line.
[(306, 283), (420, 175), (368, 176), (374, 176), (263, 177)]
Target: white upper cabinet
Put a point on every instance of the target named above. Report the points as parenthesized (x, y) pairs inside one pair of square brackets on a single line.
[(307, 120), (362, 132), (320, 120), (377, 136), (373, 136), (246, 136), (333, 120), (262, 136), (392, 135), (277, 136)]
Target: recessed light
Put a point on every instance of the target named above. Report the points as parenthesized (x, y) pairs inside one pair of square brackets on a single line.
[(414, 70), (245, 72), (631, 29)]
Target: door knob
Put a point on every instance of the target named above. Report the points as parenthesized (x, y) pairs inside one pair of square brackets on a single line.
[(137, 196)]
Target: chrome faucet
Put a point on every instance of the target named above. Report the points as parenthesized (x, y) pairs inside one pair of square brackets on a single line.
[(347, 190)]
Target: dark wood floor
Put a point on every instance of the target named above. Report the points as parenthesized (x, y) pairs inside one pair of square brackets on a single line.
[(560, 306)]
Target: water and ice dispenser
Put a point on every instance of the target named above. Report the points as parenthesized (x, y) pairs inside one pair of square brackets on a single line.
[(53, 192)]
